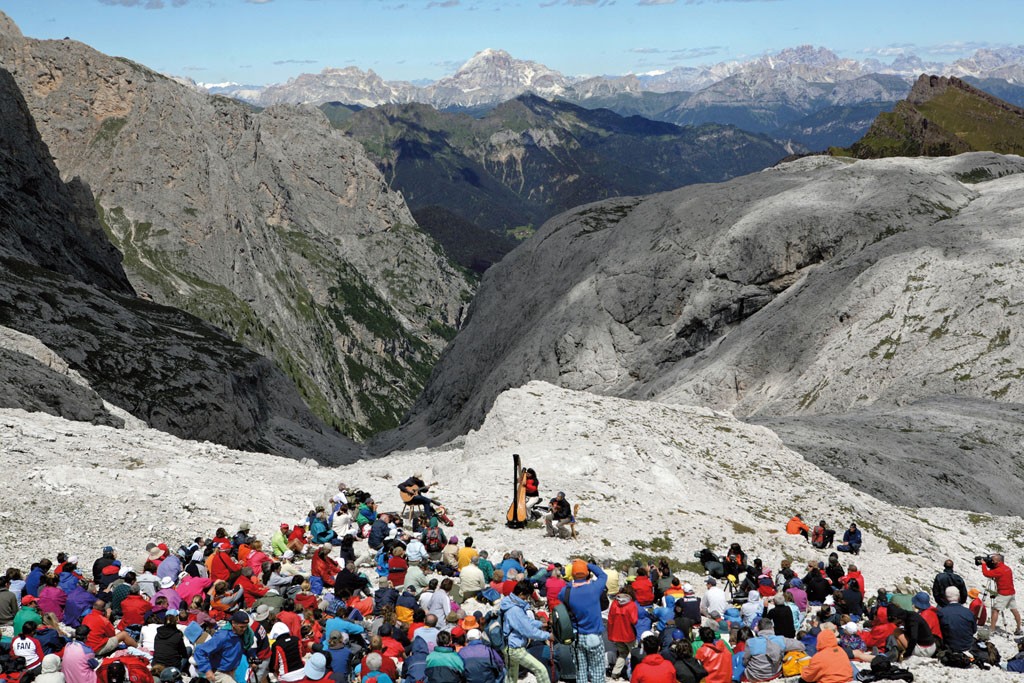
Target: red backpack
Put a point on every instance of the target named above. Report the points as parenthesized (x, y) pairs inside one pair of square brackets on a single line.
[(136, 669), (433, 542)]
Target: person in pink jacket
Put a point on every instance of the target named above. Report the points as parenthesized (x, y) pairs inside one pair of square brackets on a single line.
[(79, 662)]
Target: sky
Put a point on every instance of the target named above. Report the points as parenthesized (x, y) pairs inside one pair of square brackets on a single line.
[(268, 41)]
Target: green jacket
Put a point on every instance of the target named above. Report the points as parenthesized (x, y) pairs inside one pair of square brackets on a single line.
[(486, 567), (26, 614)]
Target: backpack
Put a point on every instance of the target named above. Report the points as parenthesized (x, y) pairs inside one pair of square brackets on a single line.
[(793, 663), (136, 669), (488, 595), (433, 542), (956, 660), (492, 629), (562, 627)]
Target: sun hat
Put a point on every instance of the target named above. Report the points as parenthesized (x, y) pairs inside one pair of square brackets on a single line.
[(316, 667), (921, 600)]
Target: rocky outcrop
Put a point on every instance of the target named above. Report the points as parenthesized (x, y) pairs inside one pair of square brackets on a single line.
[(43, 220), (270, 225), (942, 117), (76, 339), (820, 286)]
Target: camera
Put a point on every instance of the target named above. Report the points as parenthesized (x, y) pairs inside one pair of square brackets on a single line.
[(984, 559)]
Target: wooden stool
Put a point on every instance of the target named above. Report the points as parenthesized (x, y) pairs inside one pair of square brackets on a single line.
[(412, 510)]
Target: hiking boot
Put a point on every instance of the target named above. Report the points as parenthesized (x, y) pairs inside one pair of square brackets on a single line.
[(1019, 631)]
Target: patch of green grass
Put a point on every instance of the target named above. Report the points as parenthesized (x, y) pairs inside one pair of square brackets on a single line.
[(978, 518), (658, 544), (742, 528), (109, 130)]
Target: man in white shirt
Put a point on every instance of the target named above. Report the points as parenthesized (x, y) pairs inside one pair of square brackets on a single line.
[(714, 599)]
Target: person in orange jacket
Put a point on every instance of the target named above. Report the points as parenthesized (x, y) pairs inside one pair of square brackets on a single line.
[(714, 656), (829, 664), (797, 525)]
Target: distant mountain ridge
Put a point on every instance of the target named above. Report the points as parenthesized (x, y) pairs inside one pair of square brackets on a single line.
[(806, 94), (492, 76), (528, 159)]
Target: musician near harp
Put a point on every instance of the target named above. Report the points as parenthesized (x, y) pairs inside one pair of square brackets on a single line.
[(414, 488)]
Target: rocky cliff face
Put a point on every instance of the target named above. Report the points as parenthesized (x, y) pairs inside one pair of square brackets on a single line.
[(269, 225), (76, 342), (818, 287)]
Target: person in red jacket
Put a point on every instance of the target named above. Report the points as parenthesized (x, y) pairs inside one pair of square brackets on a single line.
[(103, 637), (714, 656), (223, 566), (922, 603), (253, 590), (653, 668), (643, 589), (622, 618), (134, 608), (853, 573), (977, 606), (1005, 598)]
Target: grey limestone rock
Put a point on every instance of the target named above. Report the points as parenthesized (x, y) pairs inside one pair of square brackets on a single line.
[(270, 225), (821, 286), (86, 337)]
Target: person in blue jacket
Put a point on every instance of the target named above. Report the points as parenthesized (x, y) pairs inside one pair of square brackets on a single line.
[(35, 577), (583, 599), (852, 540), (482, 662), (217, 658), (519, 628)]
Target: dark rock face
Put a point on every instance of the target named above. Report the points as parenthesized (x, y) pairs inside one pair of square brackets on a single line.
[(43, 220), (61, 282)]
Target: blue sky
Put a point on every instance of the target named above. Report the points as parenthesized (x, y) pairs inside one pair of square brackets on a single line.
[(268, 41)]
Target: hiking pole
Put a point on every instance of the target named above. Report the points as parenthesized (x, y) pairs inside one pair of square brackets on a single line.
[(551, 662)]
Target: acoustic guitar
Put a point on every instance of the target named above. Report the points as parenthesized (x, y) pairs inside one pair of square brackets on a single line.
[(415, 490)]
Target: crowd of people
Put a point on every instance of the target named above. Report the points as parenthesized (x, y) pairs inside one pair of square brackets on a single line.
[(350, 593)]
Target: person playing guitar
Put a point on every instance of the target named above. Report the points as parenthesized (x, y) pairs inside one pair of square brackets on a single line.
[(412, 490)]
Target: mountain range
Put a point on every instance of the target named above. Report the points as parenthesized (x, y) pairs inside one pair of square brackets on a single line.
[(506, 172), (806, 94)]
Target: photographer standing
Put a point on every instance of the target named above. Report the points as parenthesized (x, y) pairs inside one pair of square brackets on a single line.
[(994, 568)]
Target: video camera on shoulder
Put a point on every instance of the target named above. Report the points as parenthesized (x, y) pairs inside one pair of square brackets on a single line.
[(986, 560)]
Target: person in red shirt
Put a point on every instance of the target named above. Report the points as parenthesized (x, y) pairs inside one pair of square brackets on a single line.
[(290, 618), (714, 657), (28, 646), (387, 665), (253, 590), (1005, 598), (103, 637), (853, 573), (643, 589), (397, 567), (654, 668), (622, 618), (977, 606)]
